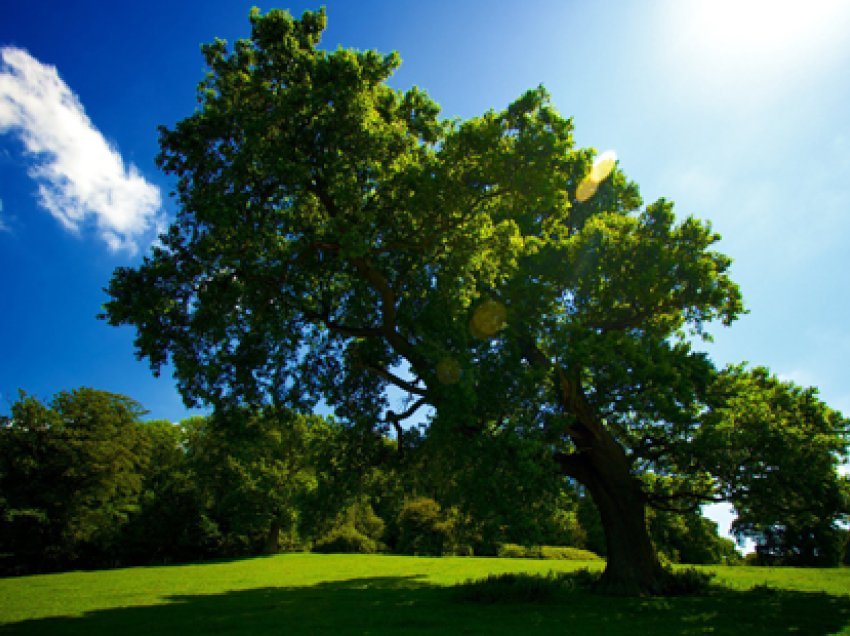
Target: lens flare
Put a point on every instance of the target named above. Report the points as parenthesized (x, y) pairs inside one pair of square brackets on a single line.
[(449, 371), (488, 319), (586, 189), (599, 171), (603, 165)]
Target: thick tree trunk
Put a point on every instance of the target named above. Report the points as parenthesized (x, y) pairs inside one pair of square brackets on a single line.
[(632, 564), (602, 466)]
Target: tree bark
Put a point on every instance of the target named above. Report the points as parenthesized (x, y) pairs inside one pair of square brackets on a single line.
[(602, 466), (632, 565), (273, 538)]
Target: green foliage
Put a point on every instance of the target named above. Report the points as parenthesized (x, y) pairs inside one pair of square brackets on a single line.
[(253, 472), (516, 551), (776, 449), (353, 479), (690, 538), (356, 529), (503, 486), (336, 239), (588, 518), (426, 529), (346, 539), (524, 588), (171, 524), (687, 581), (70, 477)]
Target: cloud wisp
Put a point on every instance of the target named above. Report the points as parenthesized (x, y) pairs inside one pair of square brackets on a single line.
[(80, 177)]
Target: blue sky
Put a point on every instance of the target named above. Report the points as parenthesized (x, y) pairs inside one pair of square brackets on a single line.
[(737, 111)]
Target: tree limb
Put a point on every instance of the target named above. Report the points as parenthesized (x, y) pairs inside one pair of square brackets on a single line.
[(394, 379)]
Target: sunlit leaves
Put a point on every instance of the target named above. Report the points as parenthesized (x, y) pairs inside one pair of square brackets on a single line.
[(599, 171), (333, 230)]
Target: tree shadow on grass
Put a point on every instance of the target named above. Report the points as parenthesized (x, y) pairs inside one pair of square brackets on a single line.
[(409, 605)]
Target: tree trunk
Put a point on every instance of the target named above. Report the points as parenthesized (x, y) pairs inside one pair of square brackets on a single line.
[(600, 464), (273, 538), (632, 565)]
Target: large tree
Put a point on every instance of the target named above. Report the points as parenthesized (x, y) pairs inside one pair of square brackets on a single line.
[(336, 239)]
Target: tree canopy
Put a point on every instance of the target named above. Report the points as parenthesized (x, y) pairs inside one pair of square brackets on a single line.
[(336, 239), (775, 447), (70, 475)]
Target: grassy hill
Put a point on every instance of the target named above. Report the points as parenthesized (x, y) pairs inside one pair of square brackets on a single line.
[(371, 594)]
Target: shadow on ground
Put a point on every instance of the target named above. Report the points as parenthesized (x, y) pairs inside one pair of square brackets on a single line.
[(409, 605)]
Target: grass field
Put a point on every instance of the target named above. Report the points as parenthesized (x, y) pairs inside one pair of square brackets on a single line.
[(360, 594)]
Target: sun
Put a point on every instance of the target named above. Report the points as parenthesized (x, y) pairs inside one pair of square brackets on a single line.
[(749, 49), (762, 29)]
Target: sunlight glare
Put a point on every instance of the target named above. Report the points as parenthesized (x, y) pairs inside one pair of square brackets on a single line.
[(599, 171), (449, 371), (603, 165), (488, 319), (730, 43), (586, 189)]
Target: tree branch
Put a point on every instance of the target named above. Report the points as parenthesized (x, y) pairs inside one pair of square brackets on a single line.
[(378, 282), (409, 411), (394, 379), (346, 330), (663, 501), (395, 420), (571, 465)]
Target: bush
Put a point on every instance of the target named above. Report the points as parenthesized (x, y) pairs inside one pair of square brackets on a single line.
[(751, 558), (567, 553), (687, 581), (515, 551), (423, 528), (346, 539), (524, 588), (357, 529)]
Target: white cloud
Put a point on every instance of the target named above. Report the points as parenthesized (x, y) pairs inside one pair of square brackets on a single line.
[(80, 176), (3, 226)]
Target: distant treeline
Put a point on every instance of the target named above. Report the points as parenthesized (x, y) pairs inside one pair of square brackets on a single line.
[(84, 482)]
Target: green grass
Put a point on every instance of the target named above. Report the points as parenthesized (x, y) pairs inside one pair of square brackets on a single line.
[(373, 594)]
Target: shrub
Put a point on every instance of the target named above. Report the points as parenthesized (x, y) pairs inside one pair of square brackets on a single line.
[(356, 529), (515, 551), (524, 588), (423, 528), (567, 553), (687, 581), (346, 539)]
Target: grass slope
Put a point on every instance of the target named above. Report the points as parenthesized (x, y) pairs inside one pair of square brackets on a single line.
[(361, 594)]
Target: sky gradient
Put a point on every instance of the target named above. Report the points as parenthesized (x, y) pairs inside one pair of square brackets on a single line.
[(737, 111)]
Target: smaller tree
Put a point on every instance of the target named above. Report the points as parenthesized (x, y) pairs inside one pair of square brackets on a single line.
[(254, 470), (501, 485), (424, 528), (776, 448), (70, 478), (171, 524), (356, 529), (690, 538)]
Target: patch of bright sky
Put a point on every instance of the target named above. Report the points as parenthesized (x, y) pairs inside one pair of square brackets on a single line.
[(750, 131)]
